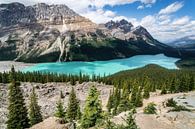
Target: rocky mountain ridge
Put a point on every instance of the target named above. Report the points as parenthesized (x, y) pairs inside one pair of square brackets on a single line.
[(49, 33), (185, 46)]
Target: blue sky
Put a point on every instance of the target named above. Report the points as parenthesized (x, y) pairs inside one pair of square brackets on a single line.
[(130, 10), (166, 20)]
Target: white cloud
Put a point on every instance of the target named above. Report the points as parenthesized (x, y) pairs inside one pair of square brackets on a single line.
[(140, 7), (167, 30), (174, 7), (99, 16), (148, 1), (181, 21), (148, 21), (148, 5)]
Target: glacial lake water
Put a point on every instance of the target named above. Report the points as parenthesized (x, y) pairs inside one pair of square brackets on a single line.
[(105, 67)]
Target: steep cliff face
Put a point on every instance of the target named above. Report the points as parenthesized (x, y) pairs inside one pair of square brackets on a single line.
[(49, 33)]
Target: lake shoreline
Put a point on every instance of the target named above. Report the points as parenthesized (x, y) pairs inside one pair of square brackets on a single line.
[(104, 68), (6, 65), (90, 67)]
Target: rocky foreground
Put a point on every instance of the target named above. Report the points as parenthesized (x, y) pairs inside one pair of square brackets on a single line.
[(49, 94), (164, 119)]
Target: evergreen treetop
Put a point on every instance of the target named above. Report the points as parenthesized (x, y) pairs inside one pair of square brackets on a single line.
[(92, 110), (34, 109), (17, 111)]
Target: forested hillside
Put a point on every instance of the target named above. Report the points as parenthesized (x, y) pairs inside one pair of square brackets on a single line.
[(130, 88)]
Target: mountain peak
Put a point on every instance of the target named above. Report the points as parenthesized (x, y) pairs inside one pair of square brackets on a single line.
[(123, 24), (140, 30)]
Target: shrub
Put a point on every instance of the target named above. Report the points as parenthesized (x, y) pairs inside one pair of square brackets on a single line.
[(171, 103), (150, 108), (180, 108)]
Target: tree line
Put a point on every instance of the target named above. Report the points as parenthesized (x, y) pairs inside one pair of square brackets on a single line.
[(45, 77), (130, 88), (19, 117)]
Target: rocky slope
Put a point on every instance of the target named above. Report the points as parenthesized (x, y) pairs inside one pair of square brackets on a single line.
[(49, 33), (49, 94), (164, 119)]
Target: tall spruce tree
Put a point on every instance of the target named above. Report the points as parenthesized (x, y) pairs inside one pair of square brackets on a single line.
[(73, 106), (146, 94), (110, 102), (60, 112), (139, 98), (17, 111), (34, 109), (191, 83), (79, 113), (134, 92), (92, 110), (124, 104)]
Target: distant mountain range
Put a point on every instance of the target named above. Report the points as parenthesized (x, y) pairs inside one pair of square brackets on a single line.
[(185, 46), (49, 33), (187, 42)]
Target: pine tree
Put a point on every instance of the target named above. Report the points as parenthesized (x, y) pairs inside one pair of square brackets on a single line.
[(146, 94), (116, 99), (133, 93), (172, 87), (17, 112), (124, 104), (109, 124), (35, 110), (110, 102), (130, 121), (139, 99), (73, 106), (191, 83), (92, 110), (60, 112), (79, 114), (164, 90)]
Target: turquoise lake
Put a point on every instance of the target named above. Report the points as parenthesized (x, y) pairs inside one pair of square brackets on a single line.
[(105, 67)]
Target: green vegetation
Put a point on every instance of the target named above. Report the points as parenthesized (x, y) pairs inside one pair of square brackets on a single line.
[(176, 108), (93, 109), (152, 77), (129, 123), (171, 103), (150, 108), (17, 111), (186, 63), (34, 109), (130, 88), (60, 111), (179, 108), (41, 77), (73, 107)]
